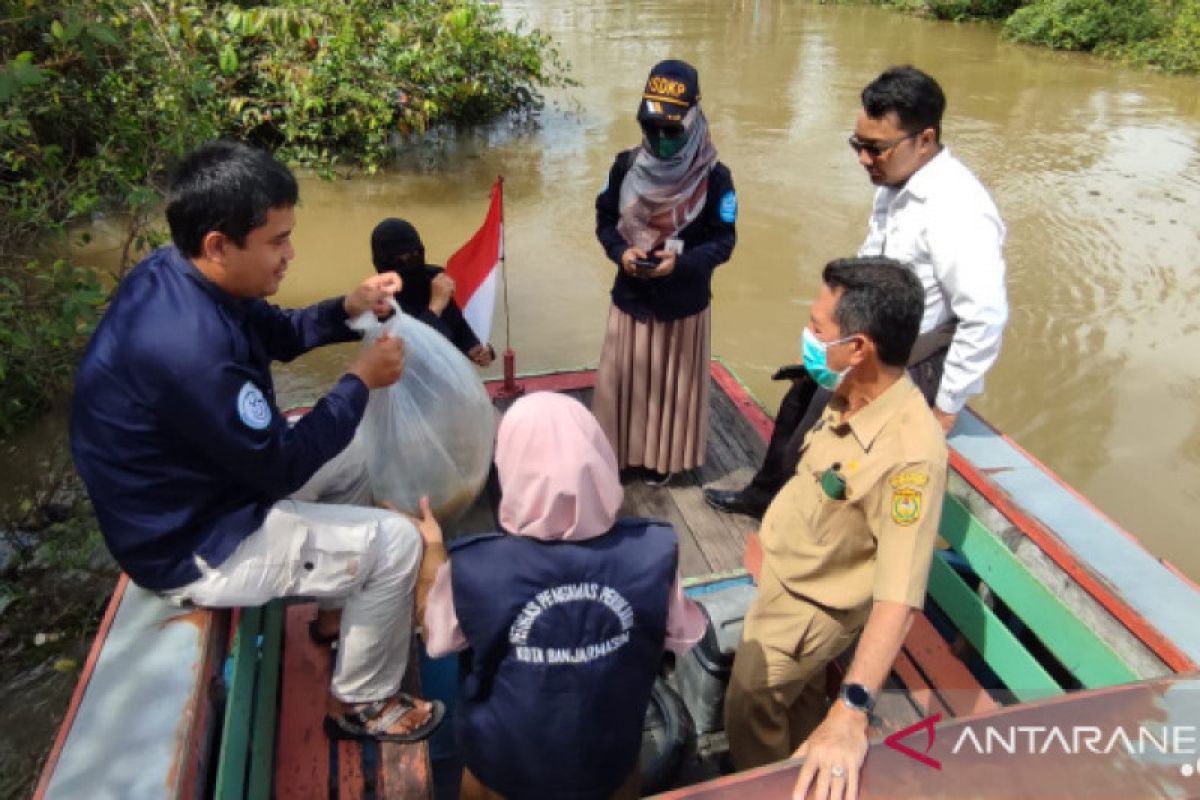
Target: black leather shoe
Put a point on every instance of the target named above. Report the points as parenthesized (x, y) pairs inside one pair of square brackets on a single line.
[(735, 502)]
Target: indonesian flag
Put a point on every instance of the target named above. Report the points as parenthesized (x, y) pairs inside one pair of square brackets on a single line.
[(475, 267)]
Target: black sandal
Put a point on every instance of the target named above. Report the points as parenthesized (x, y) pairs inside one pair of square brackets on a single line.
[(371, 721)]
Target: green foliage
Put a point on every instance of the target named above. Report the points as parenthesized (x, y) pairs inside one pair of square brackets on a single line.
[(1158, 33), (99, 97), (46, 314), (972, 9), (1084, 24), (1178, 49)]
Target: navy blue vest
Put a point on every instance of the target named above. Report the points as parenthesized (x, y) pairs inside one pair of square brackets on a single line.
[(566, 639)]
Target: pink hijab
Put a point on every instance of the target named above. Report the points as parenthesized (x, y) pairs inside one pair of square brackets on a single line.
[(560, 482), (558, 473)]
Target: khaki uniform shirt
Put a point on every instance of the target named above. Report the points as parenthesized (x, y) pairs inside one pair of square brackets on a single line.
[(859, 519)]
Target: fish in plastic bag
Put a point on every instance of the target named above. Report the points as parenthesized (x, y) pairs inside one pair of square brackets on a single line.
[(432, 432)]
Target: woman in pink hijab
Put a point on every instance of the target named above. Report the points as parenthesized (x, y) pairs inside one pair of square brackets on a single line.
[(566, 615)]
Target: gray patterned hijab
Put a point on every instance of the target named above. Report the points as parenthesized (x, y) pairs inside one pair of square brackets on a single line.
[(659, 197)]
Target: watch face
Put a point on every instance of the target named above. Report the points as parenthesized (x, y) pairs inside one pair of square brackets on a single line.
[(858, 695)]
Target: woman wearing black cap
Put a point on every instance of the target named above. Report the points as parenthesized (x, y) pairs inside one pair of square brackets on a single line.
[(666, 219), (427, 292)]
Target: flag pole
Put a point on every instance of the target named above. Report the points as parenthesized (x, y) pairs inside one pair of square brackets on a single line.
[(510, 388)]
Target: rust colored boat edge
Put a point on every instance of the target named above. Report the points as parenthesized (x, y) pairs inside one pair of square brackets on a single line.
[(564, 381), (89, 667), (742, 398)]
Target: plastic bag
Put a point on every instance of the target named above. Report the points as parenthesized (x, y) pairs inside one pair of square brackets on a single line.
[(433, 431)]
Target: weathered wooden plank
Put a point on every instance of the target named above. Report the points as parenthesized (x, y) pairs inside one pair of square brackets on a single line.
[(239, 707), (895, 708), (1152, 601), (404, 770), (720, 542), (958, 688), (1075, 646), (734, 448), (351, 777), (1007, 657), (655, 503), (302, 760), (917, 688), (1082, 605), (266, 698)]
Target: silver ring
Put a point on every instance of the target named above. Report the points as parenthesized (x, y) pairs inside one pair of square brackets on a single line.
[(838, 771)]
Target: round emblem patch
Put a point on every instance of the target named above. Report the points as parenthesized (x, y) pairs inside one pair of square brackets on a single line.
[(253, 408), (728, 208), (906, 506)]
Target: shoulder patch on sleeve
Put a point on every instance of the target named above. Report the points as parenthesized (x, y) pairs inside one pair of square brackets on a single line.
[(253, 408), (906, 506), (728, 208)]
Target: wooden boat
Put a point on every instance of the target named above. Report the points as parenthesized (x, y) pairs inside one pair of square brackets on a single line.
[(1041, 612)]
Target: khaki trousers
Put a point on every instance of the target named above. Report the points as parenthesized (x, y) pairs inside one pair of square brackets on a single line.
[(325, 543), (776, 694)]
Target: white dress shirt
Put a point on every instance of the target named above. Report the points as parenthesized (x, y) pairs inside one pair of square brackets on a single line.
[(943, 223)]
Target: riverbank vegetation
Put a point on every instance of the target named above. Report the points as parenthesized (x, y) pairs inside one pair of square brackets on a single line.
[(1163, 34), (98, 98)]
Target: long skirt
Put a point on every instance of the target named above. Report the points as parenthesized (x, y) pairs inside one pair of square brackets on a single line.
[(651, 395)]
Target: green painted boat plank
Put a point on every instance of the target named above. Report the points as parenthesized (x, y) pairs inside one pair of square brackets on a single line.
[(1021, 673), (266, 704), (239, 707), (1073, 643)]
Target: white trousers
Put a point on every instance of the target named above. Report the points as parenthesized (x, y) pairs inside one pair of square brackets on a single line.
[(316, 544)]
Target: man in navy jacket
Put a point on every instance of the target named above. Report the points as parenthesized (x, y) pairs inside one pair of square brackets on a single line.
[(204, 492)]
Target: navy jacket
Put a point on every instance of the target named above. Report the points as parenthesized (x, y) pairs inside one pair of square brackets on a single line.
[(566, 640), (174, 426), (707, 243), (450, 323)]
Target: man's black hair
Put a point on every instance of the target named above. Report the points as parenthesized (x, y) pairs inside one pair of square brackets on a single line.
[(228, 187), (882, 299), (915, 97)]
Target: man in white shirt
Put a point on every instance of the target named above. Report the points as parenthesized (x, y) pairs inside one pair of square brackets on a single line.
[(933, 214)]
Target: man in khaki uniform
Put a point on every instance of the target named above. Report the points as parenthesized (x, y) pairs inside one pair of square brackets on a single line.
[(848, 540)]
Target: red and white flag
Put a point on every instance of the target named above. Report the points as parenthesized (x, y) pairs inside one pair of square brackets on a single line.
[(475, 267)]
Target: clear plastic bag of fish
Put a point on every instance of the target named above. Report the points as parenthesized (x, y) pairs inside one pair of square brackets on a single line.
[(433, 431)]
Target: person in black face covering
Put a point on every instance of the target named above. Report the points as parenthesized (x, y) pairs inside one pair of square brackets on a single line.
[(428, 292)]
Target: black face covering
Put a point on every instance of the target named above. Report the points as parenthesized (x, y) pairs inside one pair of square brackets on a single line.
[(415, 293), (664, 141)]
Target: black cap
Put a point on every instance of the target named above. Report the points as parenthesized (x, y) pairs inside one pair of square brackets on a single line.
[(391, 239), (672, 88)]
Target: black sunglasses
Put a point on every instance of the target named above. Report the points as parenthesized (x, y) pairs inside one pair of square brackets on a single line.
[(876, 149), (662, 131)]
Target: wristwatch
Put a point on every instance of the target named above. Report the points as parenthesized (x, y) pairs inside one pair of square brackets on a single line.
[(857, 697)]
